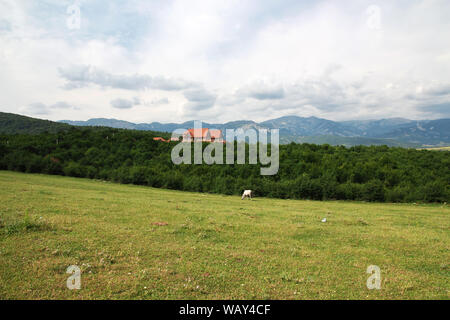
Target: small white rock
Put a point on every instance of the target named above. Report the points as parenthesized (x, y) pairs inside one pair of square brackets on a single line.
[(324, 220)]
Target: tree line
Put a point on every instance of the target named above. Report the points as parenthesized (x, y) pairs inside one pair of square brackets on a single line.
[(307, 171)]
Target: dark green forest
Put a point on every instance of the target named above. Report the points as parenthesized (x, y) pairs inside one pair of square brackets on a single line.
[(307, 171), (15, 123)]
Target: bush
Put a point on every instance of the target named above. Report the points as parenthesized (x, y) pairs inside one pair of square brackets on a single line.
[(138, 175), (373, 191), (73, 169), (397, 194), (174, 181), (435, 192)]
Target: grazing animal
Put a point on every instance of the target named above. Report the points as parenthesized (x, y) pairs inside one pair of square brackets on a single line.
[(247, 193)]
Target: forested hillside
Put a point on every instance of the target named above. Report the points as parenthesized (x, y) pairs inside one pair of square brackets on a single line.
[(376, 173), (11, 123)]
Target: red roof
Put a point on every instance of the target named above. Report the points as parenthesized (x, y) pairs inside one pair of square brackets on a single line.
[(215, 133), (197, 133), (160, 139)]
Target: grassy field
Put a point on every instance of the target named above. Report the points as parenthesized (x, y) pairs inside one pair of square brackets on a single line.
[(136, 242)]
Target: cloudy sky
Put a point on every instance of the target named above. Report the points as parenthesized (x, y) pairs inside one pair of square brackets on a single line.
[(223, 60)]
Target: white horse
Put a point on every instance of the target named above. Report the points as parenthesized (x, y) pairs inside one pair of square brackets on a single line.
[(247, 193)]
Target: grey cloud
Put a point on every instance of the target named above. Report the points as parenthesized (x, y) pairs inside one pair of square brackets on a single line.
[(230, 100), (62, 105), (438, 90), (199, 99), (79, 76), (331, 69), (198, 105), (35, 109), (122, 103), (199, 95), (5, 25), (430, 90), (437, 110), (263, 95), (411, 96), (322, 94), (262, 91), (39, 108), (170, 84), (136, 101)]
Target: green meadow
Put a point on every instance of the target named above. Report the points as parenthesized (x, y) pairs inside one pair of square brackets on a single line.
[(134, 242)]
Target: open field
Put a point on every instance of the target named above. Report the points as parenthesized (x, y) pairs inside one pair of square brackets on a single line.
[(437, 148), (136, 242)]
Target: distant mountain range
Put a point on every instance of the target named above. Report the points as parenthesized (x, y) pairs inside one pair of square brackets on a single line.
[(392, 132)]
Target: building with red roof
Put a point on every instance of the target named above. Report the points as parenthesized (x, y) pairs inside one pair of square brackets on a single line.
[(202, 135), (160, 139)]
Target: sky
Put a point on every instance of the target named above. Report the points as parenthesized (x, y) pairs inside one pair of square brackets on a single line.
[(225, 60)]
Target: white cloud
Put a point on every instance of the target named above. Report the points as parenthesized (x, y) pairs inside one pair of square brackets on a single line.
[(160, 101), (61, 105), (226, 60)]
